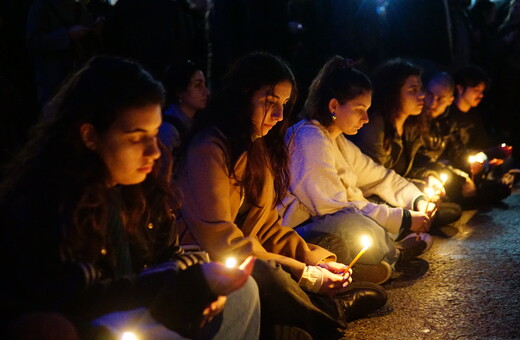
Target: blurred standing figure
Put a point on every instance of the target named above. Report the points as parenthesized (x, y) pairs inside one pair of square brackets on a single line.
[(61, 35)]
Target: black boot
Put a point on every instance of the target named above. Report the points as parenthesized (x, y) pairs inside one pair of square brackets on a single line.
[(361, 299)]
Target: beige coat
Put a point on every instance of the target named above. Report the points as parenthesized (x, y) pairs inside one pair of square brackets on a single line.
[(211, 203)]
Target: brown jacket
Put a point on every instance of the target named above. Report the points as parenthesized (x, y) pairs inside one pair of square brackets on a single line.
[(211, 203)]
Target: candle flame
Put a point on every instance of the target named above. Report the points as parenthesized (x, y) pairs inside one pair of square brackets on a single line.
[(129, 336), (471, 159), (444, 178), (366, 241), (231, 262), (503, 145), (429, 192)]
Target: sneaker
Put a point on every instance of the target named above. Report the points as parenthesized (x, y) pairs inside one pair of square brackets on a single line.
[(410, 248), (378, 273)]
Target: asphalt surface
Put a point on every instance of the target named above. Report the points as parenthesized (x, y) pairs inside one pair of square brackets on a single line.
[(466, 287)]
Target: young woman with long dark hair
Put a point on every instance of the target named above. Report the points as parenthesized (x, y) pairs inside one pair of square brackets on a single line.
[(235, 172), (87, 228)]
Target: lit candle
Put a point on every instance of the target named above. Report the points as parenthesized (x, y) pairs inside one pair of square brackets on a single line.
[(503, 145), (444, 178), (129, 336), (366, 242), (429, 194), (231, 262)]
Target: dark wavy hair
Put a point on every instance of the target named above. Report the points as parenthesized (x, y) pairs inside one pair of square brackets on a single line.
[(386, 100), (336, 79), (230, 110), (56, 169), (177, 78)]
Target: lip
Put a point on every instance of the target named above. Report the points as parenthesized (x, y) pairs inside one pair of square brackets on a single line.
[(146, 169)]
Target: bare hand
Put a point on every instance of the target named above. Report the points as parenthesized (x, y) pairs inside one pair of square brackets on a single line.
[(223, 280), (421, 222), (436, 185), (333, 283), (469, 188), (214, 309)]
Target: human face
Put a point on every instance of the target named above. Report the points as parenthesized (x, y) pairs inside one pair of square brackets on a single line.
[(471, 95), (129, 147), (352, 115), (195, 96), (412, 96), (438, 98), (268, 106)]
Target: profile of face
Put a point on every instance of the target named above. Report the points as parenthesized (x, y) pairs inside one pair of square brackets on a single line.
[(267, 106), (412, 96), (129, 147), (471, 95), (196, 94), (352, 115), (438, 98)]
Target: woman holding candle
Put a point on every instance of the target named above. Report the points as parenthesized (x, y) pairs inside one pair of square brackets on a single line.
[(331, 179), (234, 173), (87, 234), (398, 96)]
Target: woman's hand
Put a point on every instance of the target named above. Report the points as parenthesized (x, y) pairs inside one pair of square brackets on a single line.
[(336, 277), (223, 280), (214, 309), (426, 207), (469, 188), (421, 222), (434, 183)]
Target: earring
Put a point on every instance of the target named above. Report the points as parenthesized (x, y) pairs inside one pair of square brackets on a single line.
[(333, 115)]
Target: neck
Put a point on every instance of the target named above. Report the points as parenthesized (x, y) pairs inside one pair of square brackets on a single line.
[(462, 105), (399, 123), (187, 110), (334, 132)]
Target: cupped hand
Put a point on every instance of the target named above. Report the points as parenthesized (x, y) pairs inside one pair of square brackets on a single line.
[(214, 309), (333, 283), (421, 222), (223, 280)]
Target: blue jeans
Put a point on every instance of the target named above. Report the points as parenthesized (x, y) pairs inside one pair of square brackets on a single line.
[(241, 316), (350, 224)]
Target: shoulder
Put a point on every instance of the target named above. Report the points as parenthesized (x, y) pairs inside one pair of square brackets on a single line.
[(306, 132)]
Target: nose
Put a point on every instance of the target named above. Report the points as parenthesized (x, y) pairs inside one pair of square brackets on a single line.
[(421, 94), (277, 113), (365, 119), (152, 149)]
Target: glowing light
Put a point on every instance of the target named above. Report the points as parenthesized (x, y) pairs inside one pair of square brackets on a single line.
[(471, 159), (231, 262), (444, 178), (429, 192), (503, 145), (366, 242), (129, 336)]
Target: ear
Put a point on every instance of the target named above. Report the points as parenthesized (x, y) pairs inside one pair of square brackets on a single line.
[(460, 89), (333, 105), (88, 135)]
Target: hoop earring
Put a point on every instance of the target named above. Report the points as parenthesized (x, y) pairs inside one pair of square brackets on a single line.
[(333, 115)]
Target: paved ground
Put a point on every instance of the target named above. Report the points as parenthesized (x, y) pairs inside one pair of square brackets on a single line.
[(466, 287)]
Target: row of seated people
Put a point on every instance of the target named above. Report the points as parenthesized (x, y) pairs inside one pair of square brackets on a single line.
[(99, 237)]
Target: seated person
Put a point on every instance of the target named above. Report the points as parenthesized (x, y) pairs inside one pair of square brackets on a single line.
[(331, 179), (186, 94), (398, 95), (86, 228), (234, 173), (469, 136)]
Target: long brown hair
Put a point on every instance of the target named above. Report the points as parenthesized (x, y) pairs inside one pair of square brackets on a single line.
[(56, 172), (231, 112)]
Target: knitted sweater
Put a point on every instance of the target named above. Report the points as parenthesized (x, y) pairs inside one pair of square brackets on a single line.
[(328, 175)]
